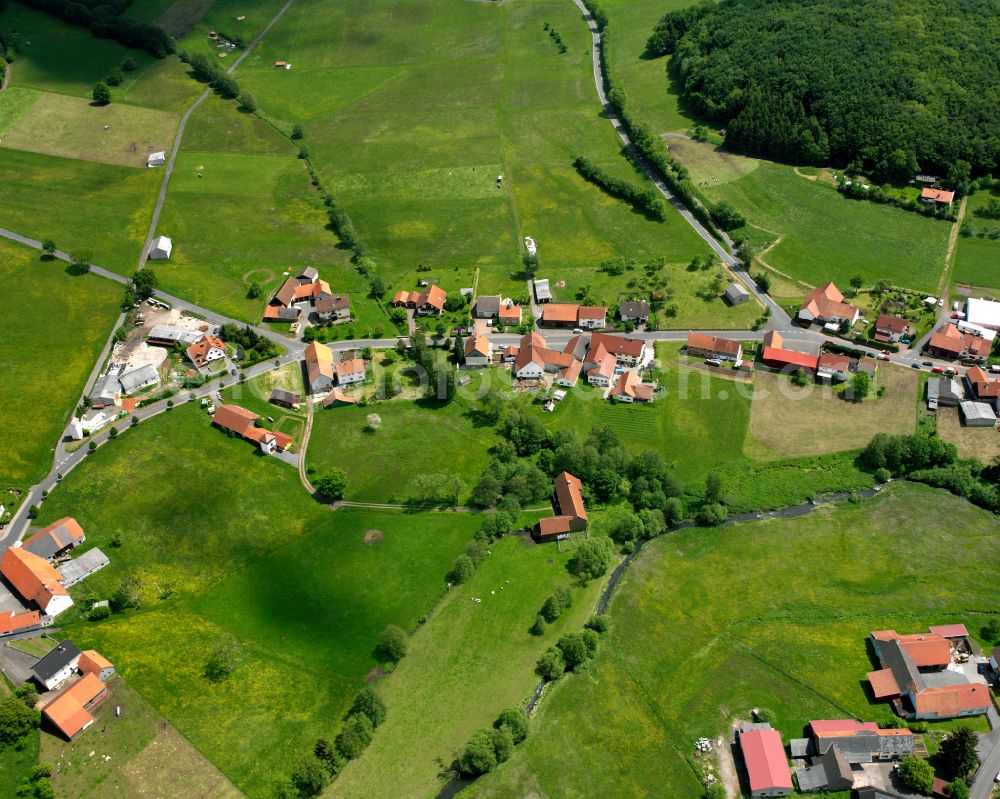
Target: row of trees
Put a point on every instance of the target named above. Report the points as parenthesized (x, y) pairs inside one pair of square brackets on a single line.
[(644, 199), (897, 92), (491, 746), (105, 21)]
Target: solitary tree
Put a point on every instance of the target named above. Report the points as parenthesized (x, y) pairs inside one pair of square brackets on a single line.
[(143, 284), (861, 386), (48, 249), (392, 643), (223, 660), (713, 487), (480, 755), (247, 103), (101, 94), (857, 282), (370, 704), (333, 484), (16, 720), (255, 290), (354, 738), (377, 289)]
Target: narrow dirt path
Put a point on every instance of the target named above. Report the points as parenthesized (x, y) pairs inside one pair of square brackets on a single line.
[(7, 71), (304, 446), (949, 258)]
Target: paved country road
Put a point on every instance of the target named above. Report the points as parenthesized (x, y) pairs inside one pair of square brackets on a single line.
[(989, 756)]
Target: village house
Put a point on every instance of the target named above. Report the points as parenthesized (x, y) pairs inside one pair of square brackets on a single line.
[(601, 367), (205, 352), (167, 336), (337, 398), (93, 662), (534, 358), (825, 304), (57, 665), (892, 329), (428, 302), (138, 379), (951, 343), (12, 622), (700, 345), (70, 712), (634, 311), (835, 747), (776, 356), (350, 371), (567, 505), (332, 307), (627, 351), (511, 314), (55, 540), (487, 306), (630, 388), (105, 392), (305, 288), (937, 197), (243, 423), (588, 317), (568, 375), (914, 676), (319, 367), (478, 351), (764, 758), (981, 385), (286, 399), (35, 580), (833, 367)]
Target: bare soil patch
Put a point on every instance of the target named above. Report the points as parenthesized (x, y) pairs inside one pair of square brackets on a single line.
[(373, 537), (982, 443)]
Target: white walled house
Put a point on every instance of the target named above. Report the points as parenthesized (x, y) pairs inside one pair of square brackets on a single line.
[(478, 351), (352, 371)]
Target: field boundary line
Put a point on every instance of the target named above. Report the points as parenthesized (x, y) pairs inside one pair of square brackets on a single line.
[(949, 257)]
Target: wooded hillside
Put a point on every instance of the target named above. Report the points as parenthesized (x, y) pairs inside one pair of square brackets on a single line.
[(899, 84)]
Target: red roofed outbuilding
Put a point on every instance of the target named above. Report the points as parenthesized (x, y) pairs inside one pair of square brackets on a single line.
[(767, 767)]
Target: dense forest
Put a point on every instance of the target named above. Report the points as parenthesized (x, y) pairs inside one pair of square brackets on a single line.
[(893, 85)]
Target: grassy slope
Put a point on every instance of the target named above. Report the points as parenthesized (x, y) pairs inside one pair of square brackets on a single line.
[(69, 200), (977, 260), (700, 607), (471, 660), (291, 581), (428, 130), (45, 308)]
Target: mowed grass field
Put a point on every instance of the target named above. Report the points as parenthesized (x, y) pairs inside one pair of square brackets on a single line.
[(982, 443), (81, 205), (72, 127), (227, 544), (143, 751), (429, 128), (709, 623), (470, 661), (817, 419), (47, 312), (823, 236), (977, 257)]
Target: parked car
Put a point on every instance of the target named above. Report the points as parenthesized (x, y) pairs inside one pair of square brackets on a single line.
[(883, 356), (915, 365), (713, 362), (937, 370), (928, 363), (951, 370)]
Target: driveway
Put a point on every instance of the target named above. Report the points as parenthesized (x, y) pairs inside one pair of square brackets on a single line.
[(16, 665)]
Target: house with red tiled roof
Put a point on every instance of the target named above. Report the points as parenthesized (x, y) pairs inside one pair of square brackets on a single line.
[(478, 351), (764, 758), (306, 288), (35, 580), (914, 676), (244, 424), (627, 351), (319, 367), (333, 306), (937, 196), (825, 304), (890, 328), (70, 712), (428, 302), (832, 367), (57, 539), (12, 622), (981, 385), (590, 317), (950, 342), (534, 358), (601, 367), (350, 371), (570, 516), (510, 314), (206, 352), (93, 662), (700, 345), (630, 388), (775, 355)]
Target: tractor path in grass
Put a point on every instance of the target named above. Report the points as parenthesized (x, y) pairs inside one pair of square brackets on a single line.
[(778, 316), (169, 167)]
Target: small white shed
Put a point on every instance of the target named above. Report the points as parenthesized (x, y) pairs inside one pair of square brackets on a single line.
[(157, 159), (160, 251)]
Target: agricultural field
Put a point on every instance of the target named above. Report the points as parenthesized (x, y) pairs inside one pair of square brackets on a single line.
[(821, 235), (429, 130), (67, 200), (786, 421), (268, 577), (235, 219), (72, 127), (143, 750), (697, 608), (977, 256), (45, 305), (470, 661)]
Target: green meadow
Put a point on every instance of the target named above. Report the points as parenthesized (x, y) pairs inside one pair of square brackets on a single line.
[(81, 205), (710, 623), (977, 257), (411, 138), (45, 306), (293, 583)]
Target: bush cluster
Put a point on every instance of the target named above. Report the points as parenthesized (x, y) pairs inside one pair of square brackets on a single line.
[(644, 199), (104, 20)]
